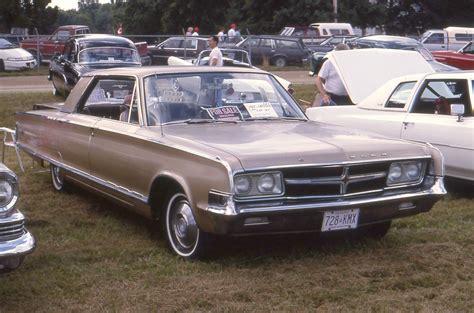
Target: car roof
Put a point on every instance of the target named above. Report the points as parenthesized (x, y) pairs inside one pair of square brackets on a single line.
[(452, 74), (151, 70), (275, 37), (387, 38), (98, 37)]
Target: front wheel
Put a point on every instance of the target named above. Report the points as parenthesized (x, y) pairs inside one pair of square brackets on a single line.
[(376, 231), (57, 178), (182, 232), (10, 264)]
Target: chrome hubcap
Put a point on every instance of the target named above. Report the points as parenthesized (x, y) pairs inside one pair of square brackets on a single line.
[(57, 176), (183, 227)]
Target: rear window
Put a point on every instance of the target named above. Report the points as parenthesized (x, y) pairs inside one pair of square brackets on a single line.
[(400, 96)]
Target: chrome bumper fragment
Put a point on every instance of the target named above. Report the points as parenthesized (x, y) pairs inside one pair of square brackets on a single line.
[(16, 247)]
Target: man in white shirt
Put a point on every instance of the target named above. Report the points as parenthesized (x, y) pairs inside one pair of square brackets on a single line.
[(215, 57), (330, 85), (231, 33)]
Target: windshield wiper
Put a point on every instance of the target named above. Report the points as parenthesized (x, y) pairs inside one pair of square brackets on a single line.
[(286, 118), (205, 120)]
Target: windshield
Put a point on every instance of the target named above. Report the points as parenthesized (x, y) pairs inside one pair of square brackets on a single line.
[(109, 55), (217, 97), (5, 44)]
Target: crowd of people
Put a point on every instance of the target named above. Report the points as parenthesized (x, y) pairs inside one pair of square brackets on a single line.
[(231, 36)]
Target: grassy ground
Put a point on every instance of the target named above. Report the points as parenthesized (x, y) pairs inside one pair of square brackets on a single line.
[(95, 256), (42, 71)]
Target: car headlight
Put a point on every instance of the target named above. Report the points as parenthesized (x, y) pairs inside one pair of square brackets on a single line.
[(405, 172), (21, 58), (261, 184), (8, 191)]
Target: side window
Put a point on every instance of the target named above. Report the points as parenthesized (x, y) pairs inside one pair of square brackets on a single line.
[(286, 44), (253, 42), (190, 44), (172, 43), (63, 35), (113, 99), (400, 95), (437, 95), (435, 38), (463, 37), (266, 43), (469, 49)]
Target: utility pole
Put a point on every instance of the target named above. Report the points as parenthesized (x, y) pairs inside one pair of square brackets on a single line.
[(334, 5)]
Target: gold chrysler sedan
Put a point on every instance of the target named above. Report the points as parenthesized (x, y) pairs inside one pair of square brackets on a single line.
[(225, 151)]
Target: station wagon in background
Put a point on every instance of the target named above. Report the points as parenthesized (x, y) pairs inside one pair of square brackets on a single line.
[(181, 47), (426, 107), (278, 50), (225, 151), (15, 240)]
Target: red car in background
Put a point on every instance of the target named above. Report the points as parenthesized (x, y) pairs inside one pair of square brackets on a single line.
[(462, 59)]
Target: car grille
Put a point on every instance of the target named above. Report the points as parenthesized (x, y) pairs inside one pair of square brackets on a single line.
[(12, 230), (336, 181)]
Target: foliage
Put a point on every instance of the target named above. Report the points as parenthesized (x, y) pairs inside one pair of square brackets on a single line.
[(27, 14)]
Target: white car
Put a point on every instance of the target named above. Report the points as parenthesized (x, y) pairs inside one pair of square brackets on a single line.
[(427, 107), (13, 58)]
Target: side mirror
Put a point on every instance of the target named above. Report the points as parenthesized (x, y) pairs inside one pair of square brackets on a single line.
[(458, 109)]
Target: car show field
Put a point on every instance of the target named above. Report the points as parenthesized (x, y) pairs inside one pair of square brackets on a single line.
[(93, 255)]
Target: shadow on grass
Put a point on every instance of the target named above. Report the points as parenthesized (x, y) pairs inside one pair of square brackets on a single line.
[(460, 188)]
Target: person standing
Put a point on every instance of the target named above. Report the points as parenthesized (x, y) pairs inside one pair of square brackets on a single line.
[(221, 35), (189, 32), (196, 31), (215, 57), (330, 85), (231, 32)]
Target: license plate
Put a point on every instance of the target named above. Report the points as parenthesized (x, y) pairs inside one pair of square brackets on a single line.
[(340, 219)]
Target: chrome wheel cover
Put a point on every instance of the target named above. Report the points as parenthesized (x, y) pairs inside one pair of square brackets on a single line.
[(183, 232)]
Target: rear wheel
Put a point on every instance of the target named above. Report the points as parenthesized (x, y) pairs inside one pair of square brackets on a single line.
[(280, 62), (2, 65), (181, 230), (57, 178)]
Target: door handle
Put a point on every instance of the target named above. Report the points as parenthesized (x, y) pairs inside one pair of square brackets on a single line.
[(405, 124)]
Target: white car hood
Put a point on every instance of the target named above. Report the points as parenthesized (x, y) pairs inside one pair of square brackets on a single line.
[(363, 71), (15, 53)]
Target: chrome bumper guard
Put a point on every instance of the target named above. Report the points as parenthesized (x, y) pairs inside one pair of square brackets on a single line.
[(19, 246)]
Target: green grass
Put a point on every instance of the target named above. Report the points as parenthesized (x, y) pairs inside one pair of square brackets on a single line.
[(95, 256), (42, 71)]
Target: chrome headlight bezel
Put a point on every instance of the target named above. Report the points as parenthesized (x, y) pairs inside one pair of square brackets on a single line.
[(265, 184), (399, 173), (7, 177)]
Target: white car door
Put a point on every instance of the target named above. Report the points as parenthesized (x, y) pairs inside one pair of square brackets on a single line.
[(454, 138)]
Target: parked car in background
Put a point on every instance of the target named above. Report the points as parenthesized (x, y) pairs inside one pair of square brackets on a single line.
[(402, 43), (225, 151), (318, 30), (278, 50), (424, 107), (45, 47), (179, 46), (13, 58), (15, 240), (450, 38), (231, 57), (462, 59), (90, 52), (320, 51)]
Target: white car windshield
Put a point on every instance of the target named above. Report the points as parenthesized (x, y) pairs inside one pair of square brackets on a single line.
[(217, 97), (108, 55)]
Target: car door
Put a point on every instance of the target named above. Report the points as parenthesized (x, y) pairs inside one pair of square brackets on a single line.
[(57, 67), (267, 48), (111, 151), (169, 47), (189, 49), (429, 122), (293, 52), (252, 47)]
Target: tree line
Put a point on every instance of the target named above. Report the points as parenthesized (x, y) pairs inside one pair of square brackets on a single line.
[(147, 17)]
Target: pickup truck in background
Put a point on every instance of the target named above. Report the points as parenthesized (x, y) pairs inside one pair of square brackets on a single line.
[(449, 38), (48, 46)]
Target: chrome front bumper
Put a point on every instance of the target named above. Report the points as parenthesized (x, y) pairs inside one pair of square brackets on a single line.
[(19, 246), (302, 216)]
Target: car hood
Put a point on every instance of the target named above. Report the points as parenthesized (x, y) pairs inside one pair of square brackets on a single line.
[(15, 53), (364, 70), (261, 144)]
